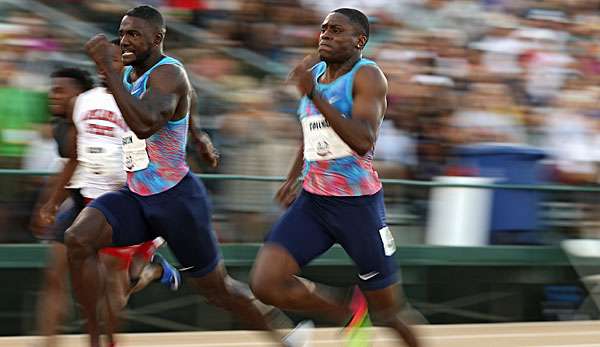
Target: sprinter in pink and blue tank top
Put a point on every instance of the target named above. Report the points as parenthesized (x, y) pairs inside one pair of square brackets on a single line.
[(161, 198), (341, 201)]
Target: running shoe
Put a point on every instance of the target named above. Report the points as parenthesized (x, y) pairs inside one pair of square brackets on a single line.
[(300, 336), (355, 331), (171, 276)]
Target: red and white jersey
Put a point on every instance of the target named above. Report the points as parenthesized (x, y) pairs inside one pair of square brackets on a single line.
[(100, 128)]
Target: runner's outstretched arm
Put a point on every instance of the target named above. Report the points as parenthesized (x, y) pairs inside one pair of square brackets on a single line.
[(56, 192)]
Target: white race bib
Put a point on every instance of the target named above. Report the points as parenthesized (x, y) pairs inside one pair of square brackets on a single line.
[(321, 142), (96, 160), (389, 245), (135, 157)]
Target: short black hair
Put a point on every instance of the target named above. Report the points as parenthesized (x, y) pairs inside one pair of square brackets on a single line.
[(149, 14), (82, 77), (356, 17)]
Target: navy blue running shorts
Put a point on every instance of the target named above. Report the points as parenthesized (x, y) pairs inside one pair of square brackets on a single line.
[(180, 215), (313, 223)]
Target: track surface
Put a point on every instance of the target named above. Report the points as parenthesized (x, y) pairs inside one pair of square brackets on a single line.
[(547, 334)]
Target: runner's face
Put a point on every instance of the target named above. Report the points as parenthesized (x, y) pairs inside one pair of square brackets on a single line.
[(338, 40), (61, 91), (138, 38)]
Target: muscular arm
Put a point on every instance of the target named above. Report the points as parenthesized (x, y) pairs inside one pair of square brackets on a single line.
[(288, 191), (165, 87), (200, 138), (360, 131), (296, 168), (204, 145), (55, 192), (58, 192)]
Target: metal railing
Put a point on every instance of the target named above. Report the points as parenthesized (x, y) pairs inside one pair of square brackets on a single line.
[(402, 182)]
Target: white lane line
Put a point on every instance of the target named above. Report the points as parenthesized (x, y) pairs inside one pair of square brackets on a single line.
[(533, 334)]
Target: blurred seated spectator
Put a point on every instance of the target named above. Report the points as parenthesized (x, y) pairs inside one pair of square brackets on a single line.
[(572, 137), (256, 141), (488, 113)]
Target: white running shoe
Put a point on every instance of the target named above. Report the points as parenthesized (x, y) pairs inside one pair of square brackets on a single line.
[(301, 335)]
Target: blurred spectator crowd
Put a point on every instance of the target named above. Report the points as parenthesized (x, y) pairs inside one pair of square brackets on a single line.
[(460, 72)]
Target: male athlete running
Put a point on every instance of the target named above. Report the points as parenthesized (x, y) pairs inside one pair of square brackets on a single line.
[(162, 198), (66, 84), (343, 104)]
